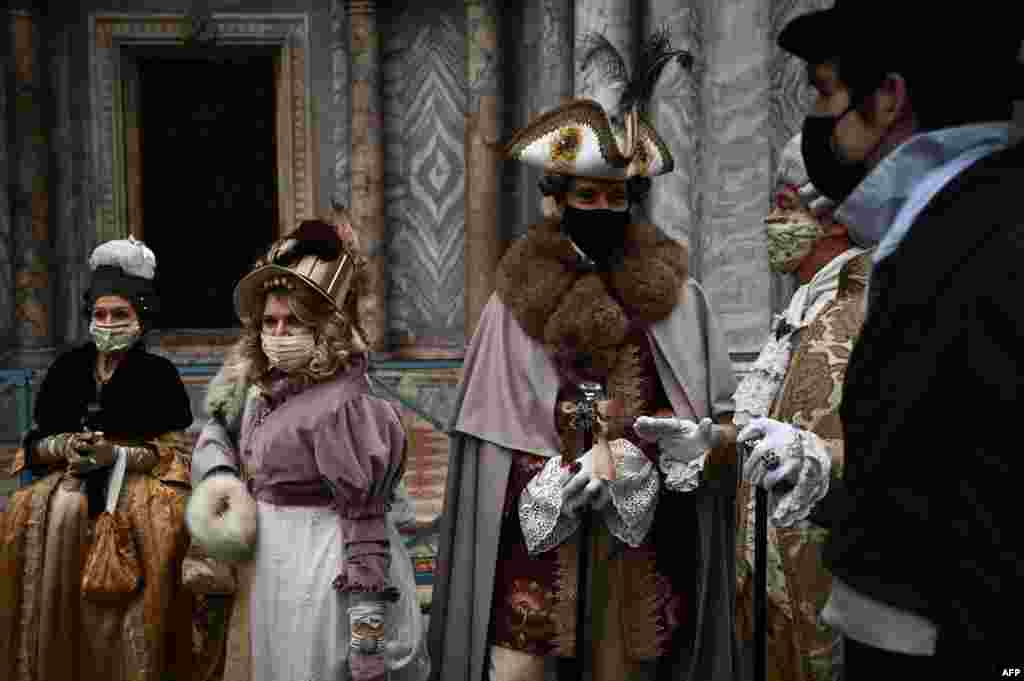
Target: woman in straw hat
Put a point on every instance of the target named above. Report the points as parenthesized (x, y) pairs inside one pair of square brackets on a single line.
[(590, 295), (92, 550), (294, 475)]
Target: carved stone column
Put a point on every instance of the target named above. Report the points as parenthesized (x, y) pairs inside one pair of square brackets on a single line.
[(483, 163), (555, 55), (367, 163), (617, 21), (30, 203), (550, 85), (6, 234), (341, 193)]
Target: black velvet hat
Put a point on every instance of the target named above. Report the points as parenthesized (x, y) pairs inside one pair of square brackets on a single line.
[(944, 35), (125, 268)]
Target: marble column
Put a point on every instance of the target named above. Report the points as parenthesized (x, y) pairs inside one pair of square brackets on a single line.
[(550, 83), (555, 56), (33, 310), (72, 235), (737, 173), (341, 101), (6, 236), (616, 20), (367, 163), (482, 243)]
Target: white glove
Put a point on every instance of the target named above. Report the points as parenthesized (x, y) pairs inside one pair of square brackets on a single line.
[(582, 488), (778, 456), (679, 440)]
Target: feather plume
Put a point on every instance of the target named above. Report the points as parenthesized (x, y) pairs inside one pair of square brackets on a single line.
[(131, 255), (638, 88), (313, 237), (601, 52)]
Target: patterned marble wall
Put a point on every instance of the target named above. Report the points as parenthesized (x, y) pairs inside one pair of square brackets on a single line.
[(542, 43), (424, 109), (726, 123)]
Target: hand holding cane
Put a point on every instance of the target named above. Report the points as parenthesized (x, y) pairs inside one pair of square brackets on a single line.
[(760, 566)]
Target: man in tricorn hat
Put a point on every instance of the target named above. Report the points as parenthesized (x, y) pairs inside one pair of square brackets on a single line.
[(914, 139), (590, 295)]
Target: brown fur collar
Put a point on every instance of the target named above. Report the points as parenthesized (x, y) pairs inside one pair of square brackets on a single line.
[(590, 313)]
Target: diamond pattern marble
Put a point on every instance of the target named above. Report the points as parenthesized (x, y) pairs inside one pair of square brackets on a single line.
[(428, 213)]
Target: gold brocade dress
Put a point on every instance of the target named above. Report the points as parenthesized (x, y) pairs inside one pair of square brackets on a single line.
[(49, 630)]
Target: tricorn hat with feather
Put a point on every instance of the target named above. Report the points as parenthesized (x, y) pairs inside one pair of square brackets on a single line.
[(314, 256), (581, 139)]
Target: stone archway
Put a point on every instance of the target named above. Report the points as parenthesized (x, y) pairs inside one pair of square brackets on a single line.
[(113, 89)]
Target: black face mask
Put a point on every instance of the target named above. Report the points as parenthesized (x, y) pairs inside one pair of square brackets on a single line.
[(832, 176), (599, 233)]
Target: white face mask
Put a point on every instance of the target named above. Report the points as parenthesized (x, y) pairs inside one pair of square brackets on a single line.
[(289, 353), (115, 337)]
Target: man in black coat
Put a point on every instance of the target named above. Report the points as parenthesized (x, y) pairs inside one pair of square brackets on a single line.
[(914, 138)]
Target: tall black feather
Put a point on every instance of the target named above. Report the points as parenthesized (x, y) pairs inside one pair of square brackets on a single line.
[(313, 237), (638, 88)]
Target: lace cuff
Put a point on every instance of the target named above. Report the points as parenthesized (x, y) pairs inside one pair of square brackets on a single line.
[(683, 476), (634, 493), (811, 484), (50, 450), (540, 509), (139, 459)]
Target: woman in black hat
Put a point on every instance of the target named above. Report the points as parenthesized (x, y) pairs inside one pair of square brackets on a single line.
[(93, 546)]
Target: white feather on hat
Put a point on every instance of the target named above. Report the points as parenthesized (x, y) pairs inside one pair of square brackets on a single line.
[(131, 255)]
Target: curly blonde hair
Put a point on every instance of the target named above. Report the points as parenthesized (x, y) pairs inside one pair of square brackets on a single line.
[(339, 334)]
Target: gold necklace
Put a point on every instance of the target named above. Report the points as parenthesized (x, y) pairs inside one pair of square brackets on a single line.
[(103, 374)]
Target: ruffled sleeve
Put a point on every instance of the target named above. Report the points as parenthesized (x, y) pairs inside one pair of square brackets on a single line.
[(540, 509), (628, 516), (796, 503), (360, 453), (683, 476), (634, 493)]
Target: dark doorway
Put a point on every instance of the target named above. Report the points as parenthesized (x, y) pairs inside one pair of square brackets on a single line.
[(209, 179)]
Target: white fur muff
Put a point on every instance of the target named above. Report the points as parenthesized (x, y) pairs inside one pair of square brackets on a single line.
[(222, 518)]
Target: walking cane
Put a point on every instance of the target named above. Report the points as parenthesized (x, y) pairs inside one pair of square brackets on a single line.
[(585, 425), (760, 584), (760, 574)]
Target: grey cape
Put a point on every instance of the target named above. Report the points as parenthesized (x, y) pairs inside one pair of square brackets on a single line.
[(506, 405)]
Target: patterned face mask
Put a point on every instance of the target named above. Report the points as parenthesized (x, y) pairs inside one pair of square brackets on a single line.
[(790, 241), (115, 337), (289, 353)]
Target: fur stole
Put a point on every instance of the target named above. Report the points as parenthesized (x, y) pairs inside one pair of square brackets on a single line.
[(228, 391), (587, 313)]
